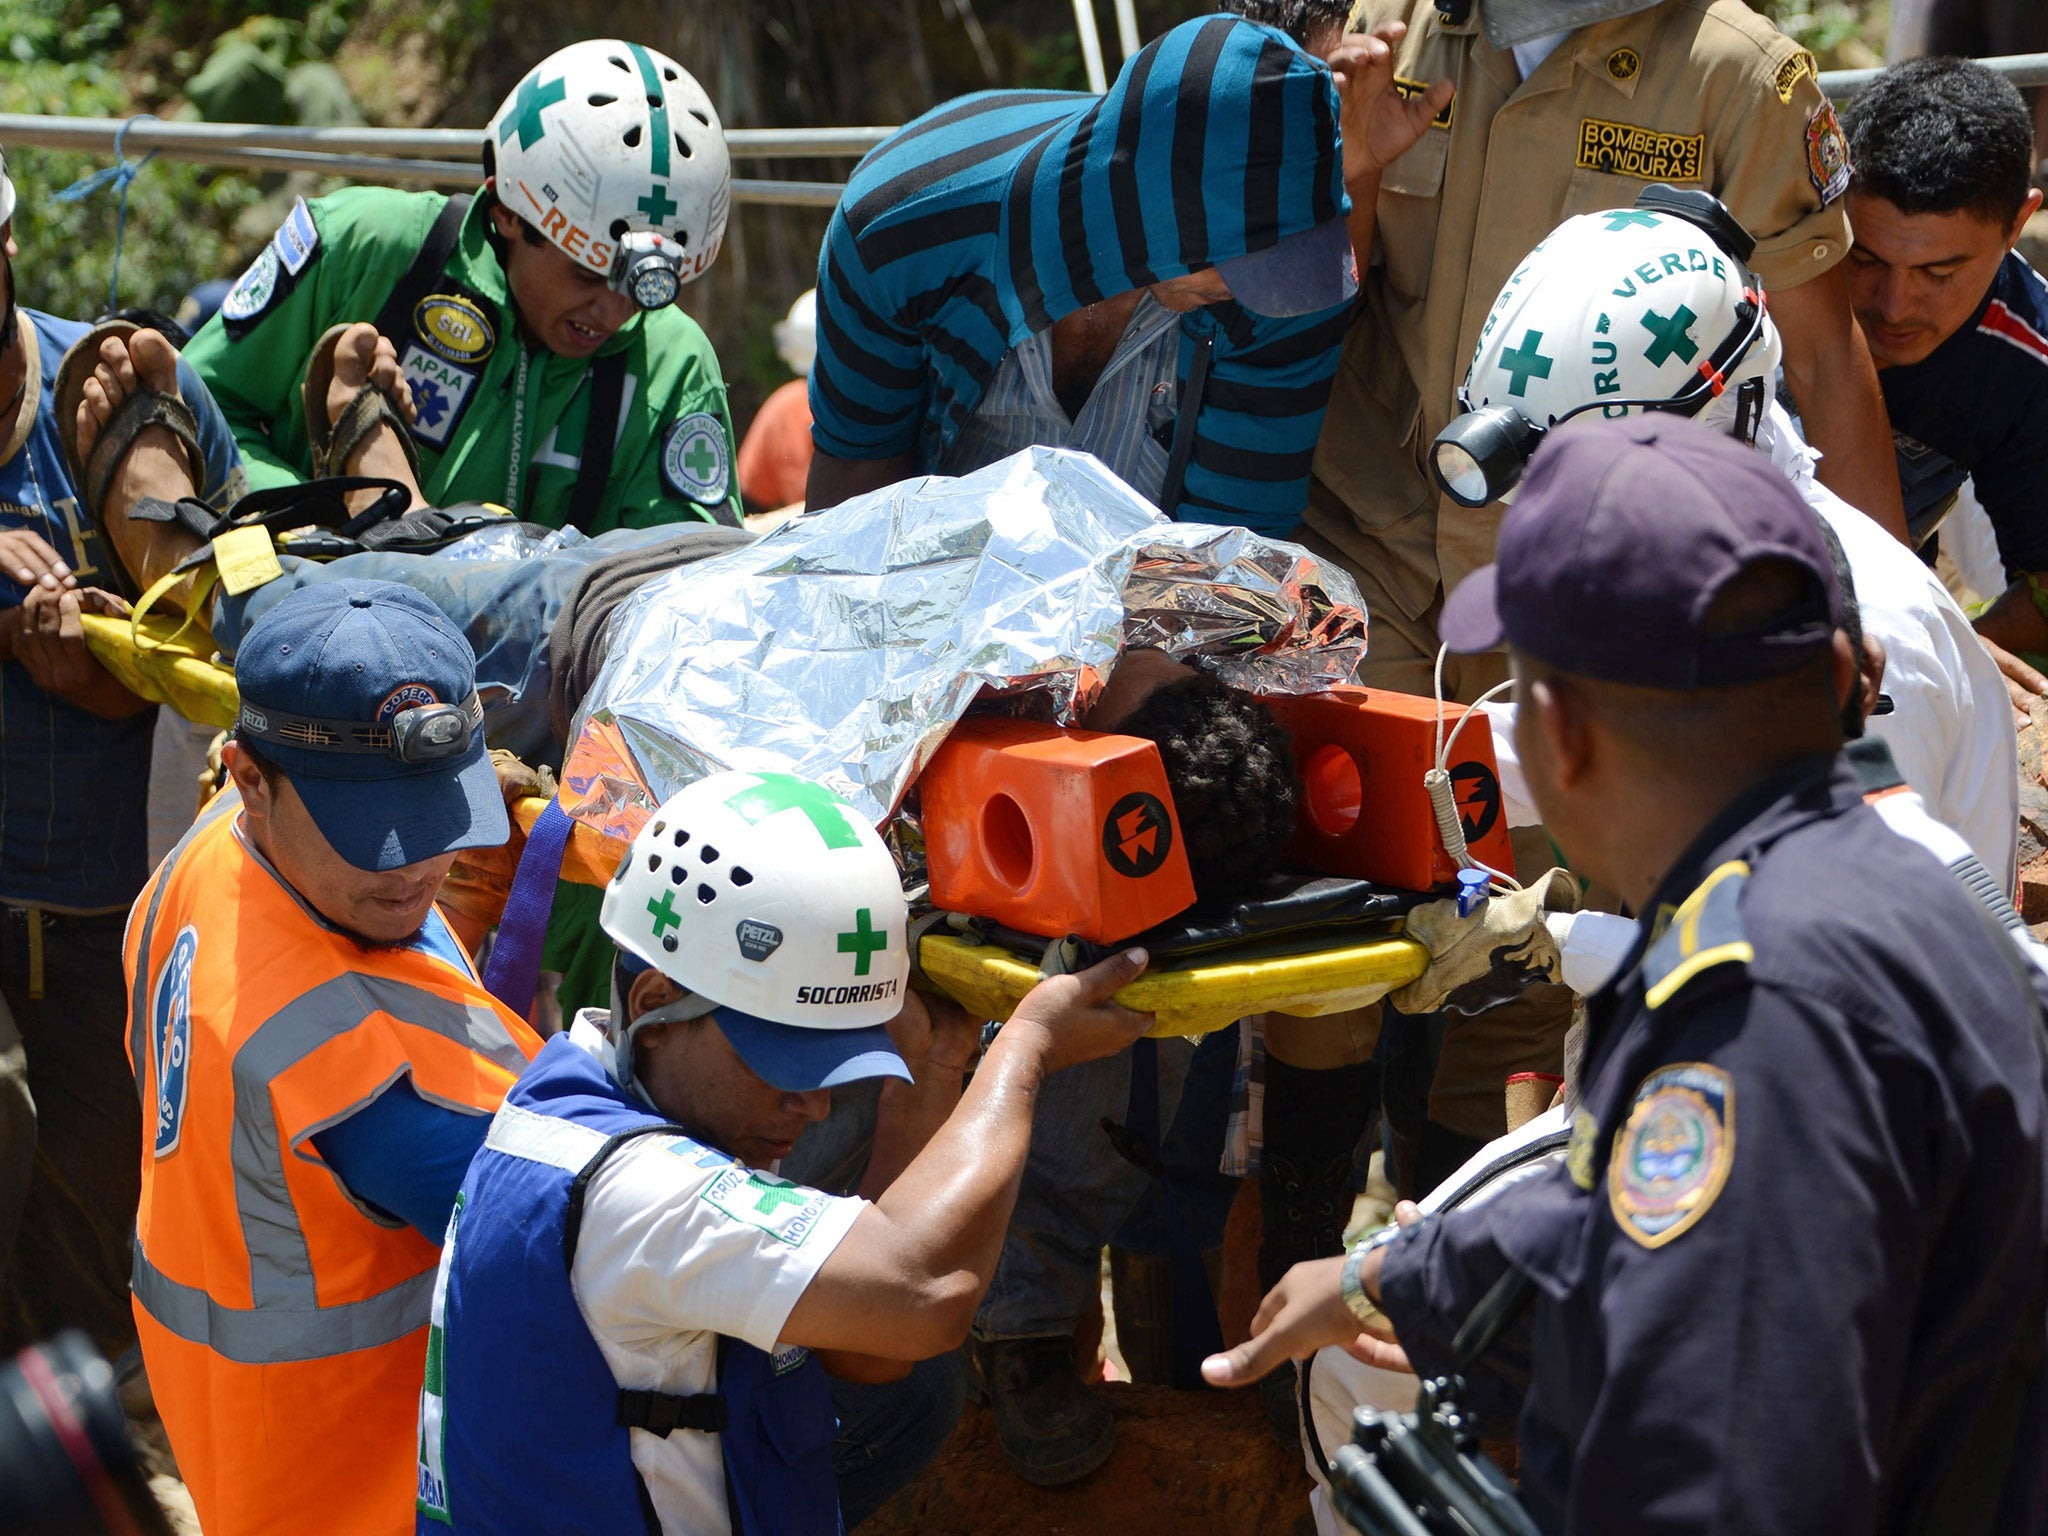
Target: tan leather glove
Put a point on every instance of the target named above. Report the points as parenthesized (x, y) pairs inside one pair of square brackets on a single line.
[(481, 878), (1483, 960)]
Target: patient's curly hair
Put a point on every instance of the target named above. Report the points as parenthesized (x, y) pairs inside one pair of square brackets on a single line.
[(1231, 772)]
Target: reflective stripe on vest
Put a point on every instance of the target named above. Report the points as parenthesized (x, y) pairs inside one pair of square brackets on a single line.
[(519, 1132), (288, 1323), (273, 1335)]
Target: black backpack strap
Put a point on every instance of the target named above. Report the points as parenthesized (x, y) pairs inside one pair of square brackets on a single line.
[(600, 438), (1184, 429), (662, 1413), (394, 320), (572, 1227)]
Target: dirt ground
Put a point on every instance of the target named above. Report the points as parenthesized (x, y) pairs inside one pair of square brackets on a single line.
[(1193, 1463)]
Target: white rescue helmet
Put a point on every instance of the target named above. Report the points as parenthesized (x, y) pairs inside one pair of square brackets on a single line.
[(614, 153), (796, 334), (1633, 309), (766, 893), (6, 191)]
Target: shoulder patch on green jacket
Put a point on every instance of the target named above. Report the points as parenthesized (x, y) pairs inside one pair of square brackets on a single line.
[(1704, 932)]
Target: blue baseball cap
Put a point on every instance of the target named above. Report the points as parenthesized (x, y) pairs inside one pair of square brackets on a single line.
[(785, 1056), (1622, 536), (365, 695), (1306, 272)]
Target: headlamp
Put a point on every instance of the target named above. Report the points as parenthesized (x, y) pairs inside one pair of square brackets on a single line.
[(647, 268), (1480, 456), (426, 733)]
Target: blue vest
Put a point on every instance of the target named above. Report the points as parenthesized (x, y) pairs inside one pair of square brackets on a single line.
[(523, 1426)]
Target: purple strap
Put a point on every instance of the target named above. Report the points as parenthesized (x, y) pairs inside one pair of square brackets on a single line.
[(513, 973)]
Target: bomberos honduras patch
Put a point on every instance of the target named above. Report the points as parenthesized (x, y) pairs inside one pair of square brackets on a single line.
[(1671, 1159)]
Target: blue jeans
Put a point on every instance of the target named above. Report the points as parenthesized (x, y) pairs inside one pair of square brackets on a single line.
[(1077, 1191), (889, 1432), (1194, 1148)]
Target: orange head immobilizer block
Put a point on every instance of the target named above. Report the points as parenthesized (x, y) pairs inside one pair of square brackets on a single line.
[(1364, 812), (1053, 831)]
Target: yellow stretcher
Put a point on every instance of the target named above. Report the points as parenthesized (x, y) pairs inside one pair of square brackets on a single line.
[(156, 662)]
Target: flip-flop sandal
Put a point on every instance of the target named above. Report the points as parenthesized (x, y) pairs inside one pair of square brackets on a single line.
[(94, 475), (332, 445)]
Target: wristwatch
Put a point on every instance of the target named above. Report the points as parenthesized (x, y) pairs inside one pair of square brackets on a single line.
[(1362, 1306)]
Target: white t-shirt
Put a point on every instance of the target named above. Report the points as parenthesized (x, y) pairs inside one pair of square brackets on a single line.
[(680, 1244), (1951, 725), (1950, 729)]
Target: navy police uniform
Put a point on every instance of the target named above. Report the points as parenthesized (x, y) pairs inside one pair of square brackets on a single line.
[(1789, 1276), (1777, 1269)]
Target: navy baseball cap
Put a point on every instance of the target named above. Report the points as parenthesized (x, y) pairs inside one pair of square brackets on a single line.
[(1314, 269), (1623, 534), (365, 695), (787, 1056)]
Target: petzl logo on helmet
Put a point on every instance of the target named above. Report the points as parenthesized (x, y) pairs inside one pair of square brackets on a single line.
[(758, 940), (452, 327), (1137, 835), (170, 1017), (405, 696)]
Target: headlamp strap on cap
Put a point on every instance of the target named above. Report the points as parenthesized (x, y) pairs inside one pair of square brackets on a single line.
[(357, 737)]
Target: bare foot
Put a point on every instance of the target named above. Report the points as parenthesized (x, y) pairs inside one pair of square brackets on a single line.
[(156, 463), (364, 359)]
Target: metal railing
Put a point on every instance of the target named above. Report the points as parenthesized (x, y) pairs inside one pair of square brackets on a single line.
[(450, 157), (445, 157), (2019, 68)]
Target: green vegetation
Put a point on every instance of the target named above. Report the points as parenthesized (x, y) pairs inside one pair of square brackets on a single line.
[(181, 218)]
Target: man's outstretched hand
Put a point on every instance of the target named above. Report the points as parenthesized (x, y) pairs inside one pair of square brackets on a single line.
[(1076, 1016), (1379, 126), (1305, 1312)]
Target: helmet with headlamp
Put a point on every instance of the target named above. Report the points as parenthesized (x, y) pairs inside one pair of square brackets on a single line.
[(614, 153), (1650, 308)]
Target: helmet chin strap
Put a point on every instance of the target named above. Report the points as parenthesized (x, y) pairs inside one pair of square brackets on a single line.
[(1739, 412)]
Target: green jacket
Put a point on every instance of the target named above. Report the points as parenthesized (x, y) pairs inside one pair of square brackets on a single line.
[(338, 258)]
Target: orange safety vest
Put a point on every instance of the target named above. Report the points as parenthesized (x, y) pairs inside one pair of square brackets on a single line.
[(284, 1326)]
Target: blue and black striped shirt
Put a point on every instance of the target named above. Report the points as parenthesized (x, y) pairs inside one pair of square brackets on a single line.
[(991, 217)]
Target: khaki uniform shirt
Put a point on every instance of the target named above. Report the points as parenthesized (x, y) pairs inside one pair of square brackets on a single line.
[(1698, 93)]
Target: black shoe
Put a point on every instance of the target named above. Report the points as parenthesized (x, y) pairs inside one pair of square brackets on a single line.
[(1052, 1429)]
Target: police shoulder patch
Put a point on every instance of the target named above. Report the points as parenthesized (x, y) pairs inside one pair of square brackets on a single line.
[(1704, 932), (694, 460), (1672, 1158)]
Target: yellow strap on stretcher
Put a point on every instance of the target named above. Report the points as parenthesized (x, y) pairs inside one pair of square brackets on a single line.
[(165, 661), (990, 982)]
